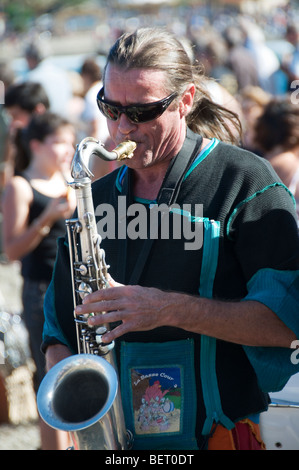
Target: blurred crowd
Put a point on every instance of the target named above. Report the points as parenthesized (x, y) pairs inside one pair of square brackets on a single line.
[(258, 81), (234, 49)]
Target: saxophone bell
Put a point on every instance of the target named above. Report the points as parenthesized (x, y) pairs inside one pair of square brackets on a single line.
[(79, 395)]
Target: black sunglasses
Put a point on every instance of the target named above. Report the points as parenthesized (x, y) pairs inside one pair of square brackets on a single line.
[(137, 113)]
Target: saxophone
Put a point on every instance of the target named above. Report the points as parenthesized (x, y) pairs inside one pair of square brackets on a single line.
[(81, 393)]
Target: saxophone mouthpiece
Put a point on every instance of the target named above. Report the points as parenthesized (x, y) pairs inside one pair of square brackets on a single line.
[(125, 150)]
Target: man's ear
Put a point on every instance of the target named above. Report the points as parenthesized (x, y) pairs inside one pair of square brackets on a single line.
[(186, 101)]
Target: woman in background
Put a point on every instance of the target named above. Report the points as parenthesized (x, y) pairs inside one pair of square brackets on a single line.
[(35, 206), (277, 136)]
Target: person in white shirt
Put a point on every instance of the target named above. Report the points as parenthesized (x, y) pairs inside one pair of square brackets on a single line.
[(94, 124), (55, 80)]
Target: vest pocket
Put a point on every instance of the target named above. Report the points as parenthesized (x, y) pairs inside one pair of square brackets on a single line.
[(159, 394)]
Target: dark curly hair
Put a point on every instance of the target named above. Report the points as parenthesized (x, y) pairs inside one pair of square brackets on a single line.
[(40, 126), (278, 125)]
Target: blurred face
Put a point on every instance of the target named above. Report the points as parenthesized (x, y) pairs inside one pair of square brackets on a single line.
[(57, 150), (251, 110), (19, 117), (157, 140)]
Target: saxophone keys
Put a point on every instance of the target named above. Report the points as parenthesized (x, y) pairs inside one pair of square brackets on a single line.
[(84, 289), (101, 330), (82, 269), (105, 348)]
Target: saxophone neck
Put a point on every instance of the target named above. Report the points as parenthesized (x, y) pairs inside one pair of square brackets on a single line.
[(91, 146), (79, 167)]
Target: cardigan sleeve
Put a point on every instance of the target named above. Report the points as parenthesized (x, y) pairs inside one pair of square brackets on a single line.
[(51, 331), (264, 230), (278, 290)]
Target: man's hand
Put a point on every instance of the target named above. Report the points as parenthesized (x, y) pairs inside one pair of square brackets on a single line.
[(137, 308)]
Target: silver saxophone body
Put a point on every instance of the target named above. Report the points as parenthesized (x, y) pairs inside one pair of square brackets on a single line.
[(81, 393)]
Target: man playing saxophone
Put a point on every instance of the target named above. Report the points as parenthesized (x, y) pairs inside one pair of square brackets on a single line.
[(201, 335)]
